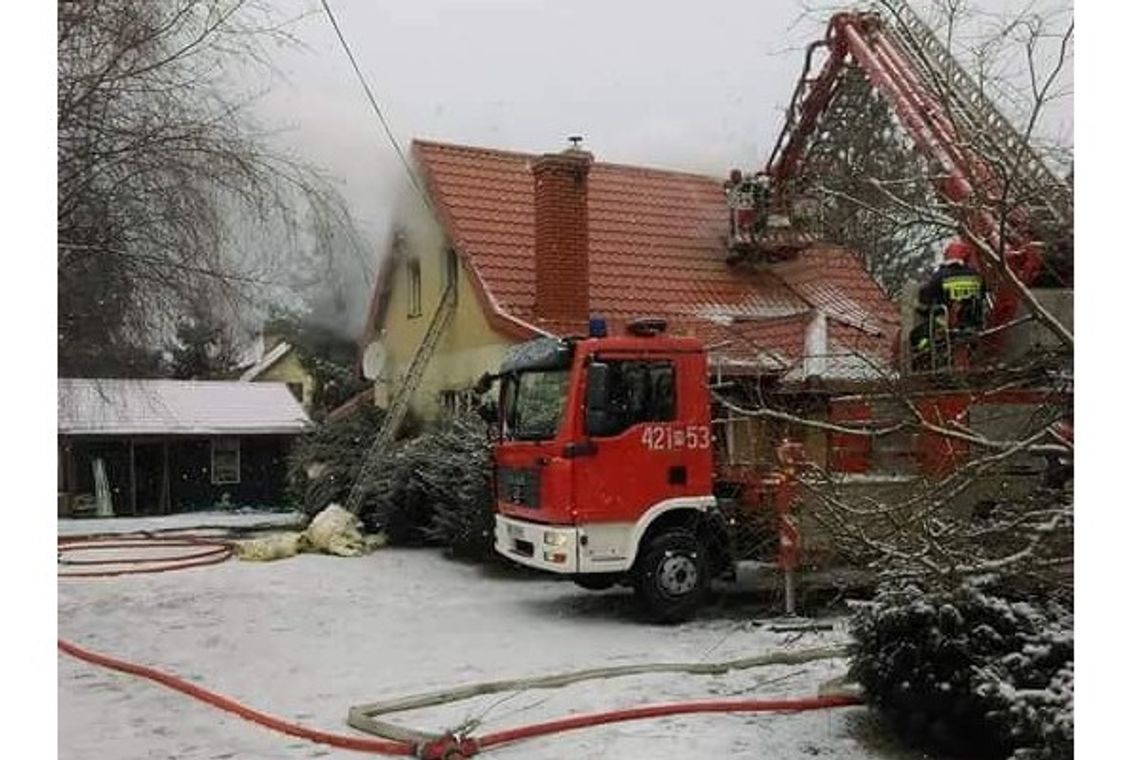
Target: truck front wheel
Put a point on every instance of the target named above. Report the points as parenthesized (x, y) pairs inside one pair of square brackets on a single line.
[(671, 577), (595, 581)]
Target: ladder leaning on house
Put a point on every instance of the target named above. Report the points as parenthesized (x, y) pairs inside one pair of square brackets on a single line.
[(398, 408)]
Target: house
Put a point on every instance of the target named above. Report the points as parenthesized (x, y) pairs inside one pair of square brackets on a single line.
[(534, 245), (276, 360), (166, 446)]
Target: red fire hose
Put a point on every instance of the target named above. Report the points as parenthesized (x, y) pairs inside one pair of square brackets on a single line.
[(212, 552), (673, 708), (442, 748), (449, 746), (378, 746)]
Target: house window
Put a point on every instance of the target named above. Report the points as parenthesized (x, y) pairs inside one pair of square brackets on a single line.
[(225, 461), (451, 265), (456, 402), (415, 308)]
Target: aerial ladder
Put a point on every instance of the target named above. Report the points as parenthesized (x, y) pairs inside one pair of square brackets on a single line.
[(998, 187)]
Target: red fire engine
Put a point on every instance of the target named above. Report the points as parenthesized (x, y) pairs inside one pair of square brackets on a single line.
[(607, 466), (606, 462), (608, 469)]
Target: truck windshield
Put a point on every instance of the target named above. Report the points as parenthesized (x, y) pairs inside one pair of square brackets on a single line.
[(533, 403)]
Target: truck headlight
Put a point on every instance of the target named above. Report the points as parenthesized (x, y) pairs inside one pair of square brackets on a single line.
[(553, 538)]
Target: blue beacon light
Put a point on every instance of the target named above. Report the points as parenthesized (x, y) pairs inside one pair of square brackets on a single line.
[(597, 327)]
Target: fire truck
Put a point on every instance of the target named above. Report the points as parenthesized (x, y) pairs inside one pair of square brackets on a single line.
[(610, 467), (604, 466)]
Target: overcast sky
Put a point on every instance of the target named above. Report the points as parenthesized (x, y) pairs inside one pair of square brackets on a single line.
[(698, 86)]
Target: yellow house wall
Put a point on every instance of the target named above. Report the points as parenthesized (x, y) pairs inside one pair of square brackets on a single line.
[(469, 346), (288, 369)]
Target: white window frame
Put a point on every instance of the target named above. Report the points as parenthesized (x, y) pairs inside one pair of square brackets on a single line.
[(216, 447)]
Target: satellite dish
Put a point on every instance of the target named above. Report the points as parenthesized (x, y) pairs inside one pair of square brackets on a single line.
[(375, 360)]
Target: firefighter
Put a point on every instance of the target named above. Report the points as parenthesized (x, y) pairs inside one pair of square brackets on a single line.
[(958, 288), (748, 204), (742, 213), (950, 305)]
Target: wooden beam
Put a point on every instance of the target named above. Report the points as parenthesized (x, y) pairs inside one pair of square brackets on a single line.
[(72, 470), (164, 500), (62, 465), (134, 496)]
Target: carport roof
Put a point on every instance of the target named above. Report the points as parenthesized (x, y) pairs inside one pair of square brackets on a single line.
[(176, 407)]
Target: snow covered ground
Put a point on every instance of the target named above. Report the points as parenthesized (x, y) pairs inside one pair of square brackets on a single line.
[(306, 638), (189, 520)]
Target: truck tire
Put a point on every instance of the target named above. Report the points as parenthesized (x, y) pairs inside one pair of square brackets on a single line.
[(671, 577), (595, 581)]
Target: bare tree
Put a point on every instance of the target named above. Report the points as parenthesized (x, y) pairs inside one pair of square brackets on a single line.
[(168, 195), (955, 490), (870, 186), (859, 163)]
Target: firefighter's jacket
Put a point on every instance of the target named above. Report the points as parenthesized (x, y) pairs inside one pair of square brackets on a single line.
[(960, 289)]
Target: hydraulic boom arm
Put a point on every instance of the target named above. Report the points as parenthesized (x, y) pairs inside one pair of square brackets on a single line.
[(985, 169)]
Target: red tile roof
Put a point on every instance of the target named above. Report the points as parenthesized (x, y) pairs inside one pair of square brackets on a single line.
[(656, 241)]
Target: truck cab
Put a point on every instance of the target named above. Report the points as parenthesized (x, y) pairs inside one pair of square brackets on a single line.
[(604, 463)]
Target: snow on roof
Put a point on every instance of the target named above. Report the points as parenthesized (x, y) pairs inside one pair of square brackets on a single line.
[(176, 407), (841, 365), (656, 247), (266, 361)]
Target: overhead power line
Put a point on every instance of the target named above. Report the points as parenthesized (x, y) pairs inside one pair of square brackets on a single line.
[(376, 105)]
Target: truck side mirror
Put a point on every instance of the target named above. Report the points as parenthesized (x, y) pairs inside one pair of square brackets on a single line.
[(488, 410), (597, 398)]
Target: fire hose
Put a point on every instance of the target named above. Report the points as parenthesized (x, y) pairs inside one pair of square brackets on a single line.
[(412, 743), (210, 552)]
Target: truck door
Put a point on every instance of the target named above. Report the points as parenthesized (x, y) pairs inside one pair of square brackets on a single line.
[(641, 449)]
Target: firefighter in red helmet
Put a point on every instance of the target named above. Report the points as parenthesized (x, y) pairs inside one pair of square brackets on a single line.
[(958, 287), (951, 304)]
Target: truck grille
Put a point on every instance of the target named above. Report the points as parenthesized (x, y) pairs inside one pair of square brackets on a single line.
[(519, 486)]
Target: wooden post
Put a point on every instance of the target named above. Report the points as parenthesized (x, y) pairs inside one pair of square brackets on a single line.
[(64, 465), (134, 499), (72, 474), (63, 489), (789, 593), (164, 500)]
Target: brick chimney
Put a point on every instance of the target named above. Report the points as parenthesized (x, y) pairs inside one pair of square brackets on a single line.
[(561, 241)]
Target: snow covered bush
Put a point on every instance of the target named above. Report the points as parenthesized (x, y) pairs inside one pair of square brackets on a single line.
[(395, 499), (432, 488), (324, 462), (1029, 694), (463, 508), (969, 672), (436, 488)]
